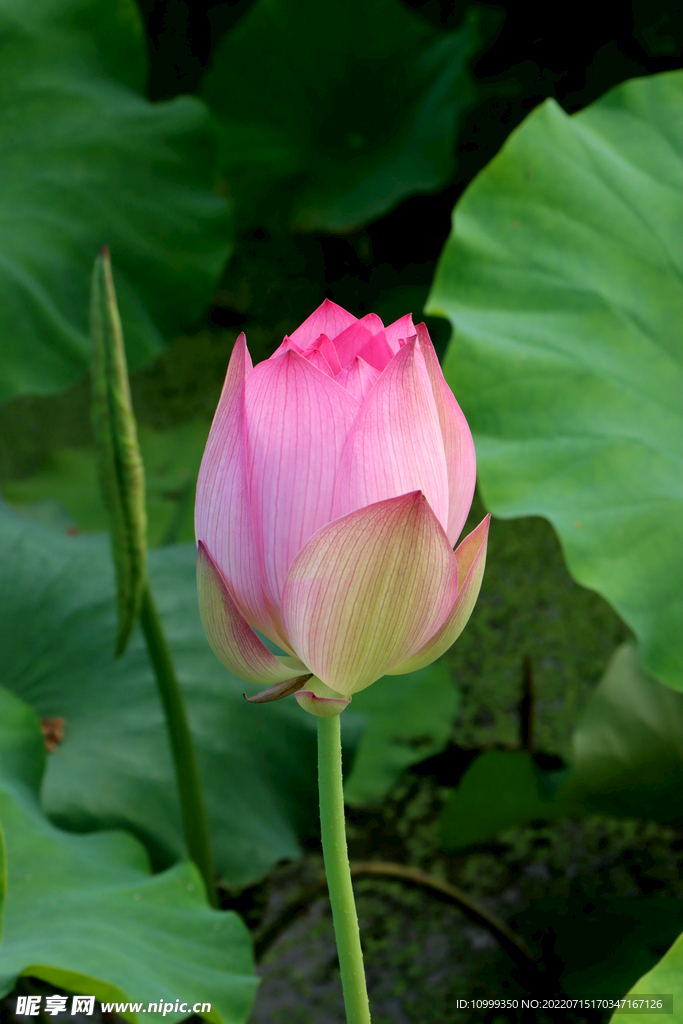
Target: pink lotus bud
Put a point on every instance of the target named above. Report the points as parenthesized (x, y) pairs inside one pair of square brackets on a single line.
[(337, 477)]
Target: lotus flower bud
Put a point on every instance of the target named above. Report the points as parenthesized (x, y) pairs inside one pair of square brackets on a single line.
[(337, 477)]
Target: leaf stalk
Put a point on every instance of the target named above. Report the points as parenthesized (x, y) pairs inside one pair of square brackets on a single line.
[(123, 486)]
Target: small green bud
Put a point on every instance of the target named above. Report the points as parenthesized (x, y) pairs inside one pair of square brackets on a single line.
[(120, 464)]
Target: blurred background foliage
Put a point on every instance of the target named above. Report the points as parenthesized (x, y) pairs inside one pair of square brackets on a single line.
[(243, 160)]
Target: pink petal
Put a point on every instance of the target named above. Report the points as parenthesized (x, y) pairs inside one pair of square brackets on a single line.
[(222, 510), (286, 345), (328, 318), (323, 354), (471, 560), (358, 377), (366, 339), (297, 422), (395, 445), (233, 640), (367, 590), (461, 463), (399, 331)]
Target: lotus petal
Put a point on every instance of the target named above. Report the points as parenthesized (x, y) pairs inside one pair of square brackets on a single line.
[(358, 377), (395, 445), (328, 318), (400, 331), (323, 354), (286, 345), (471, 559), (369, 590), (297, 422), (365, 338), (461, 463), (222, 510), (233, 640)]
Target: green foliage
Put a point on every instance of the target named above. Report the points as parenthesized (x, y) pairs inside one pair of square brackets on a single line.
[(58, 624), (562, 280), (665, 977), (84, 912), (69, 480), (529, 605), (258, 764), (338, 110), (410, 718), (603, 945), (628, 746), (627, 760), (87, 161), (500, 790)]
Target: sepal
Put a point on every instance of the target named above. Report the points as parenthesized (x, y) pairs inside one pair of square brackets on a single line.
[(320, 700), (278, 690)]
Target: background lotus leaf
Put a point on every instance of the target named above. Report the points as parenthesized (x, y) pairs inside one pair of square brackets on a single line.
[(562, 278), (85, 160), (409, 718), (338, 110), (113, 769), (84, 912), (626, 760), (68, 481), (666, 977)]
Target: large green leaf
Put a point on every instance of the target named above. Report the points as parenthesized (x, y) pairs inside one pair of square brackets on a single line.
[(349, 106), (258, 763), (85, 160), (84, 912), (70, 480), (410, 718), (600, 943), (627, 760), (501, 789), (628, 746), (562, 278), (665, 978), (57, 628)]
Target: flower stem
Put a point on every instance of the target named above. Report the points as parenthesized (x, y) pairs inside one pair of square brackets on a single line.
[(336, 858), (184, 759)]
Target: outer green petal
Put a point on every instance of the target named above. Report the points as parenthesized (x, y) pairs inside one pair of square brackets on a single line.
[(471, 559), (233, 640), (369, 589)]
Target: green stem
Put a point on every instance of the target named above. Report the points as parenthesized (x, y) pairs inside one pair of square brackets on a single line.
[(187, 774), (338, 873)]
